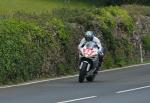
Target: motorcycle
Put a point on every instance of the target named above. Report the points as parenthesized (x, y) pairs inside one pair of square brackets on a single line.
[(89, 61)]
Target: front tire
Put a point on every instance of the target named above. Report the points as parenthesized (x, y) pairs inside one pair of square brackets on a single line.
[(82, 73)]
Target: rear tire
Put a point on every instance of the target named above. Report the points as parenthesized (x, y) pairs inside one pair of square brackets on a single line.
[(90, 78), (82, 73)]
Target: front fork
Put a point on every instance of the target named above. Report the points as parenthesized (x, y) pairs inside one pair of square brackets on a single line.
[(88, 65)]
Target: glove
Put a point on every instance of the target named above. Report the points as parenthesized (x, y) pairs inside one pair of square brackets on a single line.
[(101, 53)]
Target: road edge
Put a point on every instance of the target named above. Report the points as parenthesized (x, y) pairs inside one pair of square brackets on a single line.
[(65, 77)]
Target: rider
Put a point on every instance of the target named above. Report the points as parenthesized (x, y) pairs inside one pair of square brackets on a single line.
[(90, 36)]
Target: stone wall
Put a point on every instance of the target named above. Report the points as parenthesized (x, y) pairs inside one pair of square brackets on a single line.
[(142, 28)]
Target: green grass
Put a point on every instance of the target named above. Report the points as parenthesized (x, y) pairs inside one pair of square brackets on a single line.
[(37, 6)]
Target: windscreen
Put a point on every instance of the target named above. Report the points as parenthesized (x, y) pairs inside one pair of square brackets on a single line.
[(90, 44)]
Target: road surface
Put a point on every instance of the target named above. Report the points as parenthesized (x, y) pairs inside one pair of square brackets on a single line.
[(131, 85)]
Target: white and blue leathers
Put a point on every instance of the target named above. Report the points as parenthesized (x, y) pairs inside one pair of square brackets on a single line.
[(96, 40)]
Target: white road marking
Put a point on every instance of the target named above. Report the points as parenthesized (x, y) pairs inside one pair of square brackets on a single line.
[(65, 77), (79, 99), (134, 89)]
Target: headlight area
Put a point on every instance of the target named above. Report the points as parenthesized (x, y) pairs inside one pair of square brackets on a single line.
[(94, 57)]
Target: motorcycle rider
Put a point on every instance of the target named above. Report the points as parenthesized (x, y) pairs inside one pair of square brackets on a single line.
[(90, 36)]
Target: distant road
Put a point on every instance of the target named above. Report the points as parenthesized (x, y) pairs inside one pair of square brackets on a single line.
[(130, 85)]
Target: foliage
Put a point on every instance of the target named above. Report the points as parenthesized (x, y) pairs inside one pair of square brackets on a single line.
[(146, 42), (108, 61), (44, 45), (113, 16), (119, 57), (59, 26), (141, 2), (137, 9), (39, 6), (110, 19), (20, 52)]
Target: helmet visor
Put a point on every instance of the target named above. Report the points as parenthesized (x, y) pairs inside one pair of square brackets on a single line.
[(88, 38)]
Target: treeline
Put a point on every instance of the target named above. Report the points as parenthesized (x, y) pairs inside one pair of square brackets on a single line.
[(119, 2), (116, 2)]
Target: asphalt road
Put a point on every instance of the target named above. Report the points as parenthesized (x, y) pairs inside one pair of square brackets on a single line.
[(130, 85)]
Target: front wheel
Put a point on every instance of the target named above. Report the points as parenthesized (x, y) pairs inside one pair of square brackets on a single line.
[(82, 73)]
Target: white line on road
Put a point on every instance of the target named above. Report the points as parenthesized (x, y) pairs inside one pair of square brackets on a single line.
[(65, 77), (134, 89), (79, 99)]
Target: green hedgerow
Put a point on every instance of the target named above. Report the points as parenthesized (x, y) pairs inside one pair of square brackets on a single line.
[(59, 27), (111, 16), (146, 42), (20, 51)]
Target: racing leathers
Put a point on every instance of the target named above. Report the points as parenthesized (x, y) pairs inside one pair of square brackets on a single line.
[(98, 43)]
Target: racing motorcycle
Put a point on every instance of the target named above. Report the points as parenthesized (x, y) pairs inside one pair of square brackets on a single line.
[(89, 61)]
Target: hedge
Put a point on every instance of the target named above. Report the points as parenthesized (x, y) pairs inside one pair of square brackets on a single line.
[(38, 46)]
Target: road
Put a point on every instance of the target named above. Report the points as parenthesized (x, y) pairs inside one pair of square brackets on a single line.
[(131, 85)]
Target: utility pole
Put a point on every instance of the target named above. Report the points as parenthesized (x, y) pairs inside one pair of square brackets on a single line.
[(141, 53), (139, 39)]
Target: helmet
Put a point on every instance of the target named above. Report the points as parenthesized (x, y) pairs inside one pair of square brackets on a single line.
[(89, 35)]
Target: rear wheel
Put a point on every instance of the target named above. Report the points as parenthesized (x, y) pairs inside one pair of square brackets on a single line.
[(82, 72), (90, 78)]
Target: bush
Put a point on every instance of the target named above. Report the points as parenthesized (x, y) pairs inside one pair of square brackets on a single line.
[(20, 51), (146, 42), (137, 10), (108, 61), (59, 27), (110, 19), (119, 57), (34, 46), (141, 2), (114, 16)]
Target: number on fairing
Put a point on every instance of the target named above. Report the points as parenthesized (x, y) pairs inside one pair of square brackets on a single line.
[(87, 51)]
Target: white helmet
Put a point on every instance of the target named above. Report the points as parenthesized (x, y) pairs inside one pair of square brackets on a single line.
[(89, 35)]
